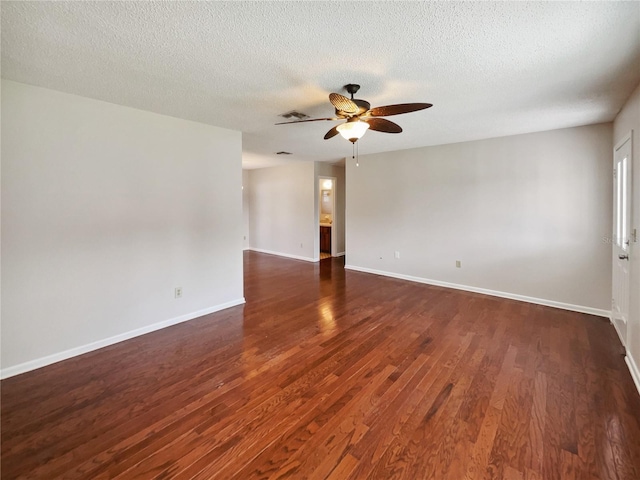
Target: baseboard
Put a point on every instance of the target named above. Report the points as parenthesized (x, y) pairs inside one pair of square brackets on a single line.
[(633, 368), (74, 352), (494, 293), (616, 326), (341, 254), (286, 255)]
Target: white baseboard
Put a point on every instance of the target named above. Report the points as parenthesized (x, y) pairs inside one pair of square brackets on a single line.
[(287, 255), (74, 352), (633, 368), (617, 325), (340, 254), (512, 296)]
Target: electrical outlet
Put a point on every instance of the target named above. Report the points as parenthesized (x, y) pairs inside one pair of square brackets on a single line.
[(301, 245), (397, 254), (458, 264), (178, 292)]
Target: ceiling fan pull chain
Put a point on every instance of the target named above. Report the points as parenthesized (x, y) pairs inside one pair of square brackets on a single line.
[(355, 145)]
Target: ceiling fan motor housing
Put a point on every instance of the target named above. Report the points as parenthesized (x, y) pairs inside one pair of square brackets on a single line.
[(363, 105)]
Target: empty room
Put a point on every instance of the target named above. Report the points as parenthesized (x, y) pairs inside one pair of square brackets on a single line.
[(320, 240)]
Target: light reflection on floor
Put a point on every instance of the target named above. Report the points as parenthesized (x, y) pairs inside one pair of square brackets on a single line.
[(326, 319)]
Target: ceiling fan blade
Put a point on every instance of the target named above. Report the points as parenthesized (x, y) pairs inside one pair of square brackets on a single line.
[(382, 125), (389, 110), (331, 133), (342, 103), (309, 120)]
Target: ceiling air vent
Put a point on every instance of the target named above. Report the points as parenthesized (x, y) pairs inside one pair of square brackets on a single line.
[(283, 153), (294, 114)]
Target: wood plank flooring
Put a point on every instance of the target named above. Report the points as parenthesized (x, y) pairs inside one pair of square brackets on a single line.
[(337, 375)]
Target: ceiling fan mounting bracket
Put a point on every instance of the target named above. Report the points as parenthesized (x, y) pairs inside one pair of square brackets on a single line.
[(352, 88)]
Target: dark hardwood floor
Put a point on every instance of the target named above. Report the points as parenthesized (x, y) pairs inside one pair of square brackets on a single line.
[(333, 374)]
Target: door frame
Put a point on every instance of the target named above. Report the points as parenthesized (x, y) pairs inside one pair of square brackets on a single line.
[(334, 183)]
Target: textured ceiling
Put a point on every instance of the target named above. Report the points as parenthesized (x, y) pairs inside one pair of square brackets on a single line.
[(489, 68)]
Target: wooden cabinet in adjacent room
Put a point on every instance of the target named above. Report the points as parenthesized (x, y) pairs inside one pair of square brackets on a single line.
[(325, 239)]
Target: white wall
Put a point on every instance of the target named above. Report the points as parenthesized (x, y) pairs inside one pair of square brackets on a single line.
[(281, 206), (526, 215), (283, 209), (105, 210), (324, 169), (629, 119), (246, 242)]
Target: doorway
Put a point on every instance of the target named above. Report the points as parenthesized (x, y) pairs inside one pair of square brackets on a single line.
[(622, 236), (326, 216)]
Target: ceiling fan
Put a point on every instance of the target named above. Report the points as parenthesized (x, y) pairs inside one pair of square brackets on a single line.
[(360, 116)]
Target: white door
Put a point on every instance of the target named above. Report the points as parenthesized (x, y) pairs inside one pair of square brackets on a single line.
[(621, 235)]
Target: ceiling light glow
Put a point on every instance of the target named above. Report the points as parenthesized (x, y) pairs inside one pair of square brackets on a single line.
[(353, 131)]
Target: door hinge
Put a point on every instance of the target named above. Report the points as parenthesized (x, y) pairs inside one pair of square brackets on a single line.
[(634, 235)]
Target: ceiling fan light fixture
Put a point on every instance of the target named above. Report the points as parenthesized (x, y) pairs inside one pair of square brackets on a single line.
[(353, 131)]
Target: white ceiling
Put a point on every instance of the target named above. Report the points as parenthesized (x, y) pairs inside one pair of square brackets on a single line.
[(489, 68)]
